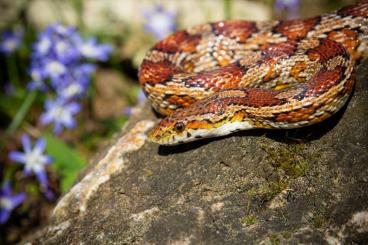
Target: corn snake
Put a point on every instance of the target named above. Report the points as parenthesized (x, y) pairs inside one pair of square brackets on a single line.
[(217, 78)]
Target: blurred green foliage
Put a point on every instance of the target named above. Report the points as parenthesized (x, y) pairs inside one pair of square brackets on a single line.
[(67, 161)]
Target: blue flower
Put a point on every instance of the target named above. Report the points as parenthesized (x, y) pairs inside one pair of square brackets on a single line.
[(61, 113), (58, 63), (72, 89), (8, 201), (62, 30), (75, 83), (55, 50), (127, 111), (38, 75), (141, 97), (91, 50), (10, 41), (159, 22), (66, 51), (43, 45), (59, 53), (48, 193), (54, 68), (33, 158), (291, 5)]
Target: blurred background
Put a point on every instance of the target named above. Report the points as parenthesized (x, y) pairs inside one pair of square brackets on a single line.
[(68, 82)]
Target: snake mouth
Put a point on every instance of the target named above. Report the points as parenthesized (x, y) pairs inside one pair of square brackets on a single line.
[(160, 136), (166, 139), (170, 136)]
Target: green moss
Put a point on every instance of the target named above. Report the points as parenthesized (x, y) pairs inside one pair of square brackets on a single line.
[(288, 158), (274, 239), (286, 234), (268, 189), (149, 173), (318, 221), (249, 220), (288, 163)]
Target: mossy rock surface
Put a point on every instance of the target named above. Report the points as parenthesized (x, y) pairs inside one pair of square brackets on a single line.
[(264, 187)]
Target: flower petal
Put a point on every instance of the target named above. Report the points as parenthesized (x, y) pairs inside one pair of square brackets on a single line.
[(4, 215), (6, 189), (48, 193), (17, 156), (74, 108), (45, 118), (42, 178), (58, 128), (17, 199), (69, 122), (40, 145), (26, 141), (27, 171), (48, 159)]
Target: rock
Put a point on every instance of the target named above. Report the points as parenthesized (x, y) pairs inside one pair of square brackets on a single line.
[(108, 102), (264, 187)]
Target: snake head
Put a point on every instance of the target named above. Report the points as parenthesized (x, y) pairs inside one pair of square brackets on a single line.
[(216, 115), (173, 132), (194, 123), (169, 132)]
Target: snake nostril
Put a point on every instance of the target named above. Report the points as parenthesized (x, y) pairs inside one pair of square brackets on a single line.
[(179, 127)]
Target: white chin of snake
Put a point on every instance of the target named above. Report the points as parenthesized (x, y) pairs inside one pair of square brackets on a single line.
[(224, 129)]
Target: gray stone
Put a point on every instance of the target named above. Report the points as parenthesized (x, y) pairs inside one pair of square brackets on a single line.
[(306, 185)]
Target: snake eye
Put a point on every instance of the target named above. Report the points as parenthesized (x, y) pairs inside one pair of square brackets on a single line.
[(179, 127)]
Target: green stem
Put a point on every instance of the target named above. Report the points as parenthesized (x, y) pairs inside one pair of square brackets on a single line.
[(21, 113), (227, 9)]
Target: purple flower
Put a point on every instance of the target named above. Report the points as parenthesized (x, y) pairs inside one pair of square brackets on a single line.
[(73, 89), (54, 68), (57, 41), (91, 50), (291, 5), (37, 82), (48, 193), (8, 201), (127, 111), (33, 158), (141, 97), (65, 50), (10, 41), (43, 45), (58, 63), (159, 22), (62, 30), (55, 50), (61, 113), (75, 83), (58, 57)]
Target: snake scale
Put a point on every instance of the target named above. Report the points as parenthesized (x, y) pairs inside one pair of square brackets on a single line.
[(217, 78)]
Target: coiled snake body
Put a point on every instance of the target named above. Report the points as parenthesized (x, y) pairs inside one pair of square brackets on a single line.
[(217, 78)]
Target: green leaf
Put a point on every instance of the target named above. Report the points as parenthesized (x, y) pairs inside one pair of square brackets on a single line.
[(67, 161)]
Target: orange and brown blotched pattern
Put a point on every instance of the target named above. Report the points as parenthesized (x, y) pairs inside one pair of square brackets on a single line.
[(217, 78), (235, 29), (297, 29), (179, 42)]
